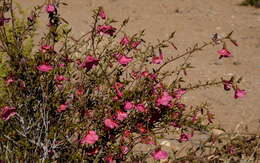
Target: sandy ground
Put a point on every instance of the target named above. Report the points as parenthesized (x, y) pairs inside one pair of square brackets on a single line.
[(195, 21)]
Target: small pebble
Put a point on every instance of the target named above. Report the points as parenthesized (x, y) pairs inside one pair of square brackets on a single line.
[(217, 132), (218, 28), (165, 143), (236, 63)]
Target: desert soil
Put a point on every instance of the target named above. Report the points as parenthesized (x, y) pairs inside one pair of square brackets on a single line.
[(194, 21)]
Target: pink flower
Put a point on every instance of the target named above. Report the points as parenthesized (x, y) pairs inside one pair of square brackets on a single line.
[(224, 53), (135, 44), (128, 105), (141, 108), (44, 68), (124, 149), (60, 78), (124, 41), (164, 100), (90, 138), (239, 93), (121, 115), (8, 112), (178, 93), (124, 60), (158, 59), (62, 107), (89, 62), (9, 80), (110, 123), (46, 48), (102, 13), (159, 154), (106, 29), (50, 8), (185, 137)]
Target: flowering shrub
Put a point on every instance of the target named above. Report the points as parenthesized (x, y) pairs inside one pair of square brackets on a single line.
[(95, 98)]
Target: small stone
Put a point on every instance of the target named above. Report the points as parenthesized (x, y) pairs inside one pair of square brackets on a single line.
[(217, 132), (163, 160), (218, 63), (218, 28), (165, 143), (236, 63), (177, 10)]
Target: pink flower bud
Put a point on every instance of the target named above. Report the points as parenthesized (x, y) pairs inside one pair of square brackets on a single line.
[(124, 60), (135, 44), (62, 108), (60, 78), (46, 48), (158, 59), (124, 41), (8, 112), (178, 93), (227, 84), (44, 68), (50, 8), (185, 137), (102, 13), (106, 29)]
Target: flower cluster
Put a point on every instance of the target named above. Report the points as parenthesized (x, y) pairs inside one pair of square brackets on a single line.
[(97, 97)]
